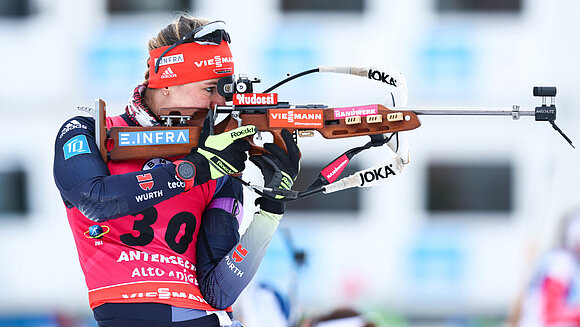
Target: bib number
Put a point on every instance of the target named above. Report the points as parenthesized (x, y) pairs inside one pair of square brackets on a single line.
[(147, 234)]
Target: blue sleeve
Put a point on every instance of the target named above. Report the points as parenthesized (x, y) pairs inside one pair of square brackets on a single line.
[(218, 235), (85, 182), (226, 262)]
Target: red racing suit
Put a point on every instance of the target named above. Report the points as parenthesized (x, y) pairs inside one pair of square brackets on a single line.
[(141, 238)]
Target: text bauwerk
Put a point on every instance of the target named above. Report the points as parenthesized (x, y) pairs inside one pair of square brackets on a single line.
[(174, 136)]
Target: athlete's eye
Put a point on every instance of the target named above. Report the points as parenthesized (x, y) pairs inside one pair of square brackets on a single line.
[(210, 89)]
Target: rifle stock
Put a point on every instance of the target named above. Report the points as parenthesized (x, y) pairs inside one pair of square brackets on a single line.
[(101, 127), (134, 142)]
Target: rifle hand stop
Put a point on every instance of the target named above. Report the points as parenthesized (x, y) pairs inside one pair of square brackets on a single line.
[(547, 112)]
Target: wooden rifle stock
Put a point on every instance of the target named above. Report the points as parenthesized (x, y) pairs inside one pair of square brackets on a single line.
[(135, 142)]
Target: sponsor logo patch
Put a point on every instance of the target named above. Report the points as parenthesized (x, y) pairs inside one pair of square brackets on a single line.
[(255, 99), (235, 270), (249, 130), (97, 231), (333, 171), (219, 165), (301, 118), (176, 136), (382, 77), (216, 61), (359, 111), (73, 124), (222, 71), (75, 146), (371, 176), (149, 196), (168, 60), (239, 253), (168, 73), (145, 181), (161, 293), (173, 185), (154, 163)]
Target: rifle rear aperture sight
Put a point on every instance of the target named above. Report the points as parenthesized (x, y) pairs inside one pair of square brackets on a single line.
[(229, 85)]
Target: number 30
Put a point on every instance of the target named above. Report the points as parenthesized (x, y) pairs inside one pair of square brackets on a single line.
[(146, 233)]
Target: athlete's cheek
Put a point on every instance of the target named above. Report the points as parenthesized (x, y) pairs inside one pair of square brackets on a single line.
[(217, 100)]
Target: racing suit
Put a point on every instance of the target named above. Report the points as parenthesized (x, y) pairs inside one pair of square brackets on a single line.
[(144, 243)]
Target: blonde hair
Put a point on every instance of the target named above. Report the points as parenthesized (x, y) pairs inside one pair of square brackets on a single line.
[(173, 33)]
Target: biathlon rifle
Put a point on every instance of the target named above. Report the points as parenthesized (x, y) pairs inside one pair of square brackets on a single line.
[(182, 127)]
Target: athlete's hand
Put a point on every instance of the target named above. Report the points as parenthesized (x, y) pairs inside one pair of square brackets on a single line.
[(280, 169), (219, 155)]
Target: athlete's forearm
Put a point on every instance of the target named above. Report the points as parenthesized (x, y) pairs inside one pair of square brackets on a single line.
[(222, 286), (103, 198)]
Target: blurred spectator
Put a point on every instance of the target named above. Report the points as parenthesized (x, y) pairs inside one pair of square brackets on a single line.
[(263, 305), (343, 317), (552, 298)]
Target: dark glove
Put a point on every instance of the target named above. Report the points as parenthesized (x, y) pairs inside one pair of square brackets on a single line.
[(280, 169), (219, 155)]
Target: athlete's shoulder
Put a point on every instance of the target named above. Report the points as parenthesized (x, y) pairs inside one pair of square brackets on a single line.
[(77, 125)]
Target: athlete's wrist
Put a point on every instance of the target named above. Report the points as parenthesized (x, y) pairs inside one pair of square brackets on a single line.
[(185, 171), (201, 165)]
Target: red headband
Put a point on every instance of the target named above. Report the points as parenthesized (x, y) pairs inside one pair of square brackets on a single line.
[(190, 62)]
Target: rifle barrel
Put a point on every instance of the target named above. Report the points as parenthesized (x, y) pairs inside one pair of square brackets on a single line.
[(475, 111)]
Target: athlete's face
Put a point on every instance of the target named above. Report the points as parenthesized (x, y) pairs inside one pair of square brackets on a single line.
[(202, 94)]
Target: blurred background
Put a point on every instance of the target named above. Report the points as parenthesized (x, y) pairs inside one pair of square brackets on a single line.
[(452, 241)]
